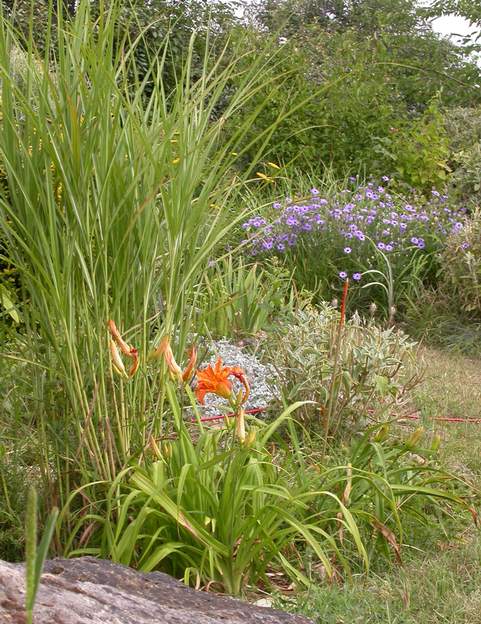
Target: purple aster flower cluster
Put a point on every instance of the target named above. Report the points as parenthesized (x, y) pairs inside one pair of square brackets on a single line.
[(345, 227)]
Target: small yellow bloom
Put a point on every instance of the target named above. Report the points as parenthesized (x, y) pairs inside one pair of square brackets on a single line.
[(176, 161), (273, 165), (264, 177)]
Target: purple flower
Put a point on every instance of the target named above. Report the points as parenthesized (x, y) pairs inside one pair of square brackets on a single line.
[(389, 247), (421, 243), (347, 250), (414, 240), (356, 276), (465, 245), (314, 191), (276, 205), (385, 178), (343, 274), (381, 245)]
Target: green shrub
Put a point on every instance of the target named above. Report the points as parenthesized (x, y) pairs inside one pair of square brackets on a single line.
[(463, 126), (419, 151), (366, 374), (460, 277)]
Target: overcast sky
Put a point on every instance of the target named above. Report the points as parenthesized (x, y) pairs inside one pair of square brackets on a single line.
[(452, 24)]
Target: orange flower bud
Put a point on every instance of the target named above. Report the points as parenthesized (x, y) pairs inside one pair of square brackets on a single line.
[(165, 350), (188, 371)]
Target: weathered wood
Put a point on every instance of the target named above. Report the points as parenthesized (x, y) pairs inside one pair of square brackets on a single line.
[(92, 591)]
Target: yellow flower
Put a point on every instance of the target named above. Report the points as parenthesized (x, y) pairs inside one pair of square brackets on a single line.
[(264, 177)]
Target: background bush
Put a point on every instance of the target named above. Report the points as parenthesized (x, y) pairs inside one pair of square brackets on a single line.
[(463, 126), (461, 268)]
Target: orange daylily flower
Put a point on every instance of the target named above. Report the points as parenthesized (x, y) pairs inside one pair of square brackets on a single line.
[(215, 380), (165, 349), (116, 343)]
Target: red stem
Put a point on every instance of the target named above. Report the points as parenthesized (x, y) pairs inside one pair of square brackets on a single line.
[(258, 410), (343, 303)]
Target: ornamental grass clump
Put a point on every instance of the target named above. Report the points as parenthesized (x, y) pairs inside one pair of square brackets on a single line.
[(115, 195)]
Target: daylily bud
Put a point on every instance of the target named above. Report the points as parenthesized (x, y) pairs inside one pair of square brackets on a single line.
[(382, 433), (165, 350), (415, 437), (134, 354), (436, 443), (127, 350), (124, 347), (167, 450), (250, 438), (155, 447), (240, 428), (188, 371), (117, 363)]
